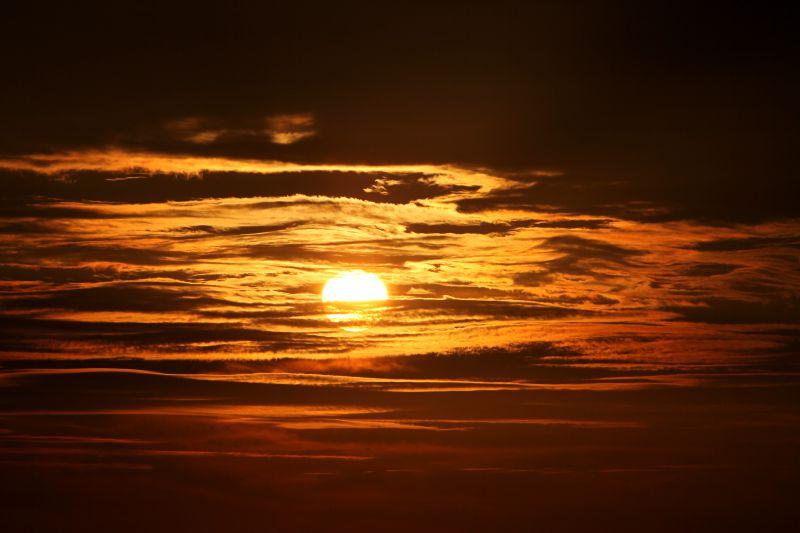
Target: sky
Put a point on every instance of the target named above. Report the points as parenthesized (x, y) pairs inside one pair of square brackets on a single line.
[(585, 214)]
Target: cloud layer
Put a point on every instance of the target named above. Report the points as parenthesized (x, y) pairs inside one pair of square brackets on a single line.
[(110, 252)]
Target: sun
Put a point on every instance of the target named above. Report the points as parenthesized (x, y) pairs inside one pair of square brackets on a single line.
[(354, 286)]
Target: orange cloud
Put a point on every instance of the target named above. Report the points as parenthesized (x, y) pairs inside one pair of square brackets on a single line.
[(290, 128)]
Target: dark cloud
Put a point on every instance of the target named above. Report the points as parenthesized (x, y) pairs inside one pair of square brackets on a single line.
[(746, 243), (709, 269), (29, 188), (482, 228), (239, 230), (25, 228), (56, 274), (730, 311), (574, 224), (579, 257), (458, 290), (84, 274), (31, 334), (114, 253), (699, 127), (468, 291), (119, 297), (488, 228), (339, 253), (498, 309), (565, 299), (355, 252), (28, 207), (730, 198), (102, 444), (582, 247), (523, 360)]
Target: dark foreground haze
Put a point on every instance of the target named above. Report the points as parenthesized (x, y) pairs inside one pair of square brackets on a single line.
[(585, 216), (425, 442), (471, 442)]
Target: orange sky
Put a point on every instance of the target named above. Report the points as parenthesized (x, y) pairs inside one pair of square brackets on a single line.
[(585, 215), (132, 278)]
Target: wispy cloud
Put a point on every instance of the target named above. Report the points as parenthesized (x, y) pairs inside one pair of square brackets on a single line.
[(281, 129), (222, 256), (290, 128)]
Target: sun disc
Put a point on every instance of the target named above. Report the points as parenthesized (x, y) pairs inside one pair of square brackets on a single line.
[(354, 286)]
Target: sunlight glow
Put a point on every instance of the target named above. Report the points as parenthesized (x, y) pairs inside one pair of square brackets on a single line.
[(354, 286)]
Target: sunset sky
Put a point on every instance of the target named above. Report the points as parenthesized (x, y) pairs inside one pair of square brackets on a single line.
[(586, 217)]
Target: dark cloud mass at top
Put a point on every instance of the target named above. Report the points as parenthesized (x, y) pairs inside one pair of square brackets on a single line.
[(639, 123)]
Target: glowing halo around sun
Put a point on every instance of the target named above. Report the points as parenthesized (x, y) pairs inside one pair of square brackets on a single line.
[(354, 286), (354, 299)]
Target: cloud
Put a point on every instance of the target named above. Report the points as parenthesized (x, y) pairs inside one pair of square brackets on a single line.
[(482, 228), (25, 228), (289, 129), (105, 180), (502, 228), (238, 230), (101, 273), (280, 129), (44, 210), (653, 198), (579, 256), (497, 309), (80, 252), (698, 135), (746, 243), (140, 297), (116, 159), (729, 311), (81, 337), (709, 269), (604, 179), (341, 253)]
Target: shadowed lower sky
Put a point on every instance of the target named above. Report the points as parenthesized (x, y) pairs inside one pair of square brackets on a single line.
[(586, 216)]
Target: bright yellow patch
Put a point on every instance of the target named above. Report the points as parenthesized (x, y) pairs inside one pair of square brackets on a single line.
[(354, 286)]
